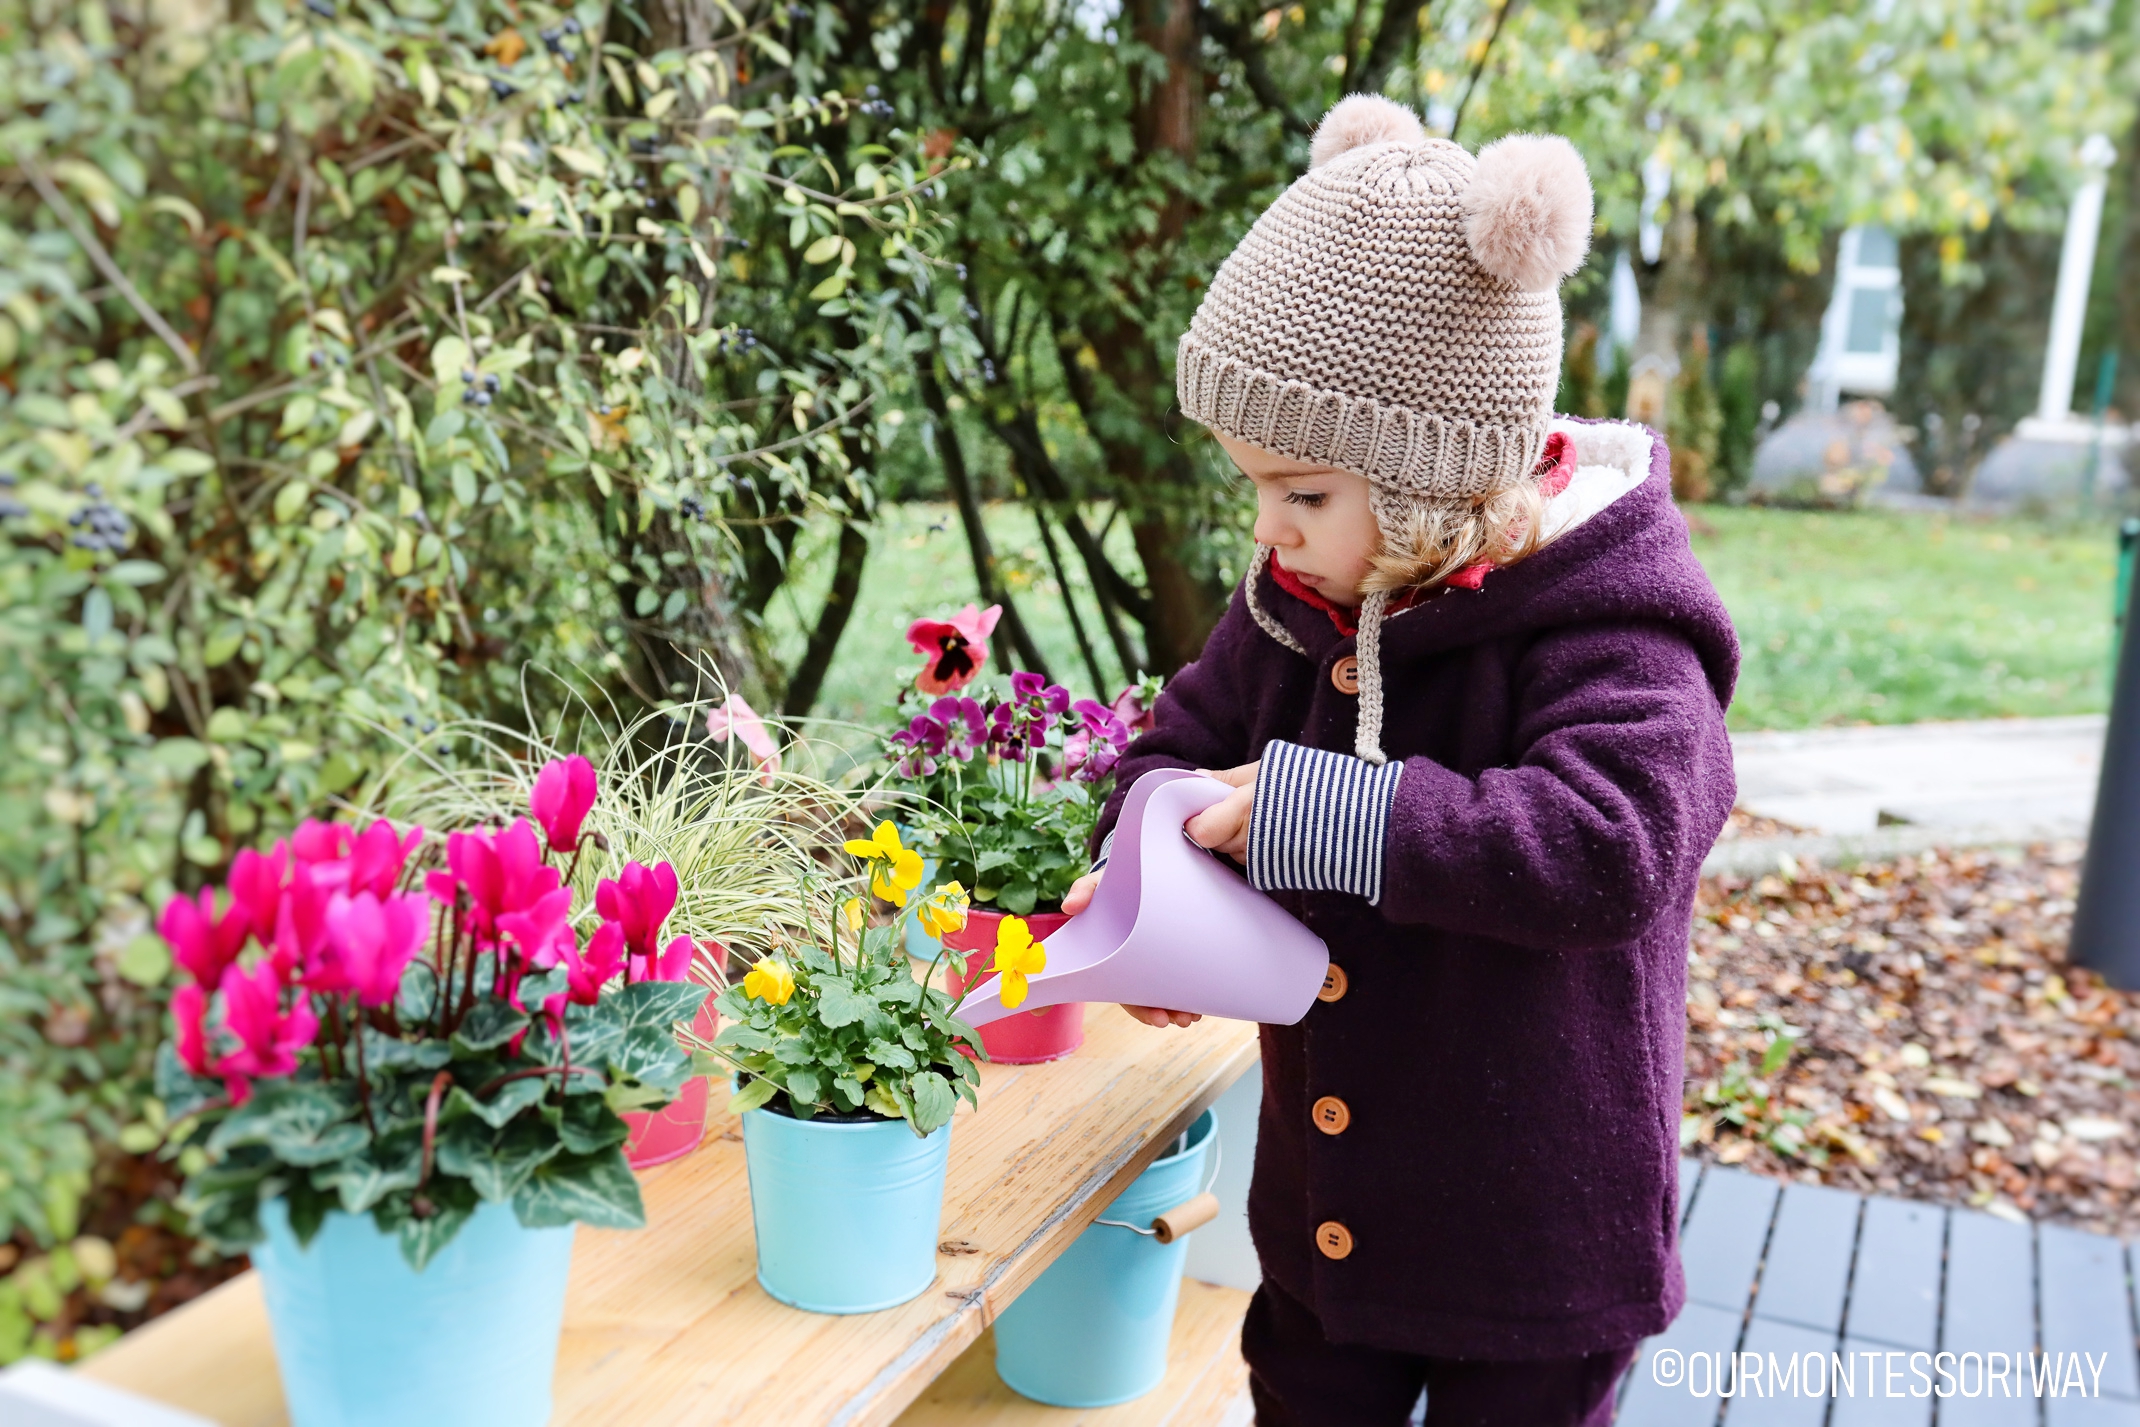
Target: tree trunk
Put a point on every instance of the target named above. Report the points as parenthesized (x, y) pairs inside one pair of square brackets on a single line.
[(808, 680), (1158, 481), (969, 502)]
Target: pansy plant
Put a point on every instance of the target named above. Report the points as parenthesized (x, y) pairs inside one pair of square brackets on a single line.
[(381, 1021), (1006, 789), (845, 1027)]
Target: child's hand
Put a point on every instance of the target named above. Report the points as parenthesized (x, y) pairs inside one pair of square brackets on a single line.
[(1223, 827), (1079, 896), (1153, 1016)]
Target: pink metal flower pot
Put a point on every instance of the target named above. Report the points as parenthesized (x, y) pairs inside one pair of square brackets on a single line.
[(1021, 1037), (674, 1130), (1174, 926)]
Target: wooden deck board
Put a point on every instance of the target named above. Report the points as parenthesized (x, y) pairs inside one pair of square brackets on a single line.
[(1699, 1328), (1894, 1295), (1861, 1407), (1724, 1236), (2085, 1303), (1206, 1383), (1787, 1344), (1807, 1271), (669, 1324)]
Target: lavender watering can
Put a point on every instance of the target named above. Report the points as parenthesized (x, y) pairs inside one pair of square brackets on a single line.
[(1173, 926)]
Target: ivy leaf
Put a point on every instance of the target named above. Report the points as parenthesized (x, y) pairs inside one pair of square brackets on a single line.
[(585, 1124), (384, 1053), (496, 1165), (491, 1024), (512, 1097), (363, 1179), (421, 1239), (595, 1189)]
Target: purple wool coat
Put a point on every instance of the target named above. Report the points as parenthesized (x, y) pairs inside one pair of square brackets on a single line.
[(1510, 1043)]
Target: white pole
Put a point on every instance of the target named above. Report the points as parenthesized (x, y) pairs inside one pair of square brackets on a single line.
[(2076, 265)]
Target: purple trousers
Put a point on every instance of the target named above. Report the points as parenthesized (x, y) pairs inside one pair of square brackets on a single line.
[(1299, 1378)]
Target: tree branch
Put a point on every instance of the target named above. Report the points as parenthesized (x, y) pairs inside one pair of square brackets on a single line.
[(1236, 41), (57, 202), (1501, 15), (1062, 578), (1399, 24)]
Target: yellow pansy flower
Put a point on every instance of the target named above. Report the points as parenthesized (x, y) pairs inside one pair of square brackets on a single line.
[(897, 869), (944, 911), (1017, 957), (851, 913), (769, 980)]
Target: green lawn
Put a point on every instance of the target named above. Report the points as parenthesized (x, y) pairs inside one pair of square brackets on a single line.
[(1845, 617), (1893, 617)]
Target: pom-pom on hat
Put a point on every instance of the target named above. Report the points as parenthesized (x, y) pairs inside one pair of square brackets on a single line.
[(1394, 313)]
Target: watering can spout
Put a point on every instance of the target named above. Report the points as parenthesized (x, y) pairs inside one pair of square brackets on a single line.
[(1172, 926)]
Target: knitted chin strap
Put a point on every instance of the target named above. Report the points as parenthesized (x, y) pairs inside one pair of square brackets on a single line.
[(1367, 742), (1262, 617)]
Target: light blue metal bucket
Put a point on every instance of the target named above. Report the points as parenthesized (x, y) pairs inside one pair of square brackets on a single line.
[(920, 945), (846, 1215), (1094, 1329), (363, 1340)]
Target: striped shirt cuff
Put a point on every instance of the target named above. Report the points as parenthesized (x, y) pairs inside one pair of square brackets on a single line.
[(1107, 845), (1319, 821)]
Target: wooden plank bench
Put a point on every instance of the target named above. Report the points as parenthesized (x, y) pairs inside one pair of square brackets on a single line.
[(668, 1324), (1799, 1268)]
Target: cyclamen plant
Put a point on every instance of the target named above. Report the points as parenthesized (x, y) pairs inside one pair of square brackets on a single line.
[(1008, 789), (358, 1033)]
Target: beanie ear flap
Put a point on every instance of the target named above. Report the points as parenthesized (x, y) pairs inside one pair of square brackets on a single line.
[(1359, 120), (1528, 210)]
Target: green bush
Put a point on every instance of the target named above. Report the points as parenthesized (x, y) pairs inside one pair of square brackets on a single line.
[(352, 357)]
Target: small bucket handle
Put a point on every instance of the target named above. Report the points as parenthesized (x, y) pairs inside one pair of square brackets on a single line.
[(1189, 1215)]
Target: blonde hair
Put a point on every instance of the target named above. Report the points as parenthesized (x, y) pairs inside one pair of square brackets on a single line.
[(1435, 539)]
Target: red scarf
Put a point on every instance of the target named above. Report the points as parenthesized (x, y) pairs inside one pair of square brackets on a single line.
[(1556, 467)]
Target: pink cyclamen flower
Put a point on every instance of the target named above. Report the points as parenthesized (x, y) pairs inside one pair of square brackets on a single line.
[(736, 718), (376, 857), (957, 647), (674, 963), (256, 882), (301, 923), (372, 941), (564, 791), (316, 841), (641, 898), (503, 872), (541, 931), (201, 942), (269, 1037), (189, 1023), (586, 973)]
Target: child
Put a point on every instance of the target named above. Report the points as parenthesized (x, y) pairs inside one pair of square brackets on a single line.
[(1471, 698)]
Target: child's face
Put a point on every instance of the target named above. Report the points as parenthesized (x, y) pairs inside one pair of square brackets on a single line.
[(1316, 518)]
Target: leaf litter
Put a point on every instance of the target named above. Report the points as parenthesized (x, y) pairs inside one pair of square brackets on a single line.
[(1912, 1027)]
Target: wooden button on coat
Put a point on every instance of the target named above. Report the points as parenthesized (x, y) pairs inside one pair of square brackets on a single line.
[(1345, 675), (1334, 984), (1334, 1239), (1331, 1115)]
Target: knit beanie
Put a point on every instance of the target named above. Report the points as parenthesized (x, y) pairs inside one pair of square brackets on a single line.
[(1394, 314)]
